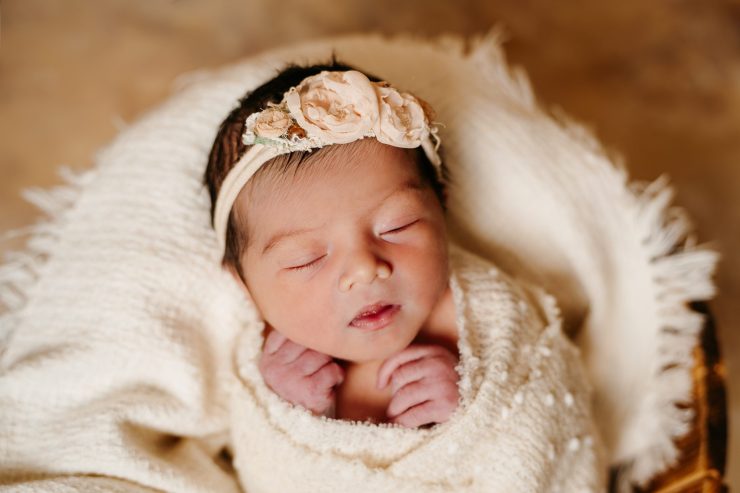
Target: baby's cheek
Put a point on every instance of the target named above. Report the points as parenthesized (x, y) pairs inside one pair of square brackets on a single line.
[(273, 306), (427, 270), (308, 319)]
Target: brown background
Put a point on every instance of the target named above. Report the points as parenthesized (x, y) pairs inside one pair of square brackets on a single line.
[(659, 81)]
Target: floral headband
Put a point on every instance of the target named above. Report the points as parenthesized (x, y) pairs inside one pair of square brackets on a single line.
[(331, 107)]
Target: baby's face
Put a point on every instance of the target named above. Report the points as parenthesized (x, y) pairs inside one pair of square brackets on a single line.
[(360, 236)]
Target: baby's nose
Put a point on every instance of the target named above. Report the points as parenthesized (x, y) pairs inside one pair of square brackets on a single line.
[(363, 268)]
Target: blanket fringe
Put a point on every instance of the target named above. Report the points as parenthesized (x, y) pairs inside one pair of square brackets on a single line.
[(680, 269), (21, 268), (682, 273)]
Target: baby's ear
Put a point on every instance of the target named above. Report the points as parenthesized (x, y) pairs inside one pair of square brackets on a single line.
[(235, 274)]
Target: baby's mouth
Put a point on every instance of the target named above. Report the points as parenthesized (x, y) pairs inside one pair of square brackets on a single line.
[(374, 317)]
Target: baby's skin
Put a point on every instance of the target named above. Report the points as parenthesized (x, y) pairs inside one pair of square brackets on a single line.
[(347, 264)]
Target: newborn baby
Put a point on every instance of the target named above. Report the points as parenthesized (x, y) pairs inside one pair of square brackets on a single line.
[(371, 323), (365, 274)]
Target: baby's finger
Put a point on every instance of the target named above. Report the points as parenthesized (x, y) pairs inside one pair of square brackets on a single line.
[(411, 353), (327, 376), (409, 396), (310, 361), (425, 413), (432, 367), (288, 352), (274, 340), (321, 401)]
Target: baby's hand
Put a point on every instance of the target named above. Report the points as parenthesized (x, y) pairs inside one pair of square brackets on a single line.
[(424, 385), (298, 374)]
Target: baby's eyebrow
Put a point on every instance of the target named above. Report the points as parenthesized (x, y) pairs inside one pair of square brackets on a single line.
[(277, 238), (410, 185)]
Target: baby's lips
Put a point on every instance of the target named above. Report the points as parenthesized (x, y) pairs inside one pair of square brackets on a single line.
[(369, 310), (376, 318)]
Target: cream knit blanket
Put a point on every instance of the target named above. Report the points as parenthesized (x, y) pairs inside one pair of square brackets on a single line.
[(524, 423)]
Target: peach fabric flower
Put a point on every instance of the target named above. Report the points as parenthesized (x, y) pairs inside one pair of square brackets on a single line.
[(271, 123), (335, 107), (401, 121), (339, 107)]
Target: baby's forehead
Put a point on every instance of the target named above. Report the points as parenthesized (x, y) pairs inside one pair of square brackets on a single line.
[(288, 173), (300, 184)]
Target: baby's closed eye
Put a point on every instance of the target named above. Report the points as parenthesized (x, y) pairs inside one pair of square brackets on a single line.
[(402, 227), (306, 264)]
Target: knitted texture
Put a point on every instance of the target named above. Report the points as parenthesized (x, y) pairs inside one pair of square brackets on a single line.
[(524, 423), (116, 340)]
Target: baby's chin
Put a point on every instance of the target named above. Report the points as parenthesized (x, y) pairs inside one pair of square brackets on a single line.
[(371, 352)]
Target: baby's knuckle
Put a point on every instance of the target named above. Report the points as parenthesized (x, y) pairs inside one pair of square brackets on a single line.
[(411, 390), (319, 384), (408, 420), (442, 410), (337, 373), (312, 406), (304, 364), (451, 390), (422, 415), (265, 361), (402, 374), (313, 386), (317, 355), (322, 401), (326, 376), (438, 365), (320, 356), (440, 350), (314, 403), (449, 401), (271, 374)]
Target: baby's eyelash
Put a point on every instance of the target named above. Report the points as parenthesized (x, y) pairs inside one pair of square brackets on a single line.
[(306, 266), (400, 228)]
